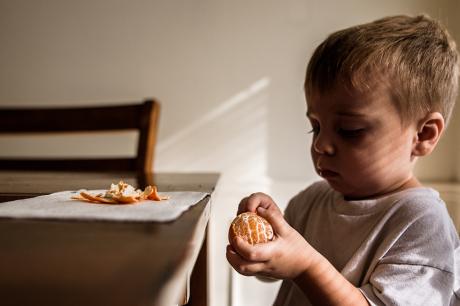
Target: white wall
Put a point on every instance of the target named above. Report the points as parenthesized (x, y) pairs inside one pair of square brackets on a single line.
[(455, 29), (229, 75), (206, 61)]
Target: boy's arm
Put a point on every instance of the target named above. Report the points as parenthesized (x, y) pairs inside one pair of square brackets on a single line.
[(324, 285)]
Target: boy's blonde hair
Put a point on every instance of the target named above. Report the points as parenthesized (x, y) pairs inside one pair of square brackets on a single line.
[(413, 57)]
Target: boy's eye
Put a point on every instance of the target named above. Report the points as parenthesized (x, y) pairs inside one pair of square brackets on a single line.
[(351, 133), (314, 129)]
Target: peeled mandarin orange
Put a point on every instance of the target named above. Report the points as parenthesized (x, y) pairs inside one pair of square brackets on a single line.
[(251, 227)]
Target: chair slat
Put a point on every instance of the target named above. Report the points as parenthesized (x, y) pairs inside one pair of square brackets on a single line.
[(142, 117), (70, 119)]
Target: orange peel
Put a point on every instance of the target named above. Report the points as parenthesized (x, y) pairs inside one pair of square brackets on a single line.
[(121, 193)]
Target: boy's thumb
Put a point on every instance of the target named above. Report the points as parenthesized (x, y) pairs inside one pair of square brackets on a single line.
[(275, 218)]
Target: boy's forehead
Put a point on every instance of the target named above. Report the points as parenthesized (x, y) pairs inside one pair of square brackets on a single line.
[(348, 101)]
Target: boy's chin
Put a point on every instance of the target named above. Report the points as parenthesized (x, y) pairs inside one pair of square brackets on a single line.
[(348, 192), (336, 186)]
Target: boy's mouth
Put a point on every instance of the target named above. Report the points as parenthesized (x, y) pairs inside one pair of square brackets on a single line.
[(327, 173)]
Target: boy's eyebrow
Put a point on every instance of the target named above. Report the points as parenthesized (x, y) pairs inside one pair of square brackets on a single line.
[(350, 114), (343, 113)]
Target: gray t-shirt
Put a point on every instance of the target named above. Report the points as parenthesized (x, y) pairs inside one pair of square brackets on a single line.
[(400, 249)]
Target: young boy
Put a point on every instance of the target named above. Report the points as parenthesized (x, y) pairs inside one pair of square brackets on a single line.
[(379, 96)]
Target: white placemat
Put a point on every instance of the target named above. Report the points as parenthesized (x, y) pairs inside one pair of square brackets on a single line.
[(60, 206)]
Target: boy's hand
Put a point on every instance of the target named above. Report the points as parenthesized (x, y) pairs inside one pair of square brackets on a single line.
[(290, 256), (286, 256)]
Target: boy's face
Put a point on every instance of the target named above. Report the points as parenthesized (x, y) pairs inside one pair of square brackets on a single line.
[(359, 143)]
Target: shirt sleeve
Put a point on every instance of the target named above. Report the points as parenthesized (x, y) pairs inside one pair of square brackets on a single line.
[(405, 284), (419, 267)]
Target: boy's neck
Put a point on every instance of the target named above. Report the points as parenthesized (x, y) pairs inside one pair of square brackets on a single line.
[(411, 182)]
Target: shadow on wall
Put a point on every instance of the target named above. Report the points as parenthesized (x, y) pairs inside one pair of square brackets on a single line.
[(230, 138)]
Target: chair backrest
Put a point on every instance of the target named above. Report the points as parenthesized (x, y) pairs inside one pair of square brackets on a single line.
[(142, 117)]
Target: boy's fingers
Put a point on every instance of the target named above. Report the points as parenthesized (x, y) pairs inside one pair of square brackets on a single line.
[(253, 253), (235, 260), (258, 199), (230, 249), (275, 218), (251, 269), (242, 206), (249, 203), (241, 265), (232, 255)]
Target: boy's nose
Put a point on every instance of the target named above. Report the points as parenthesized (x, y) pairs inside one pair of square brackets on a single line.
[(322, 145)]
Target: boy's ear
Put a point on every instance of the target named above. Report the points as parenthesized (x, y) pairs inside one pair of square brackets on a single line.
[(429, 130)]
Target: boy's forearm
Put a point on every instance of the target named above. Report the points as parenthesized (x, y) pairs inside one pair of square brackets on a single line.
[(324, 285)]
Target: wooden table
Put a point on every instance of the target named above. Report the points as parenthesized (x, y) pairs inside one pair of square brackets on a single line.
[(51, 262)]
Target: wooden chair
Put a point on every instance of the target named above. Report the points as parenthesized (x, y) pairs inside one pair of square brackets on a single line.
[(142, 117)]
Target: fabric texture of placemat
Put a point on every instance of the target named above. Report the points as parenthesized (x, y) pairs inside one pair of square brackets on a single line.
[(60, 206)]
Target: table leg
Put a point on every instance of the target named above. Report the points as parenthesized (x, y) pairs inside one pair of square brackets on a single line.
[(199, 278)]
